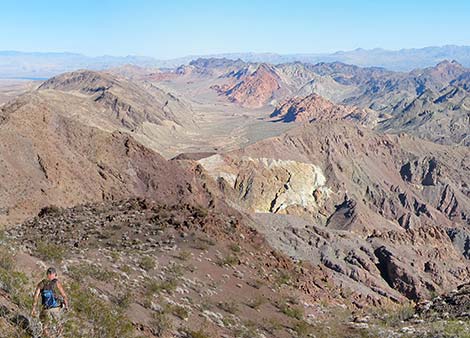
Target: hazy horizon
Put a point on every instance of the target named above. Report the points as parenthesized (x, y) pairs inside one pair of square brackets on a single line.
[(58, 52), (188, 28)]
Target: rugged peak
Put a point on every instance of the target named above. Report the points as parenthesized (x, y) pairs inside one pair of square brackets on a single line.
[(215, 63), (254, 90), (446, 64), (310, 108), (82, 80)]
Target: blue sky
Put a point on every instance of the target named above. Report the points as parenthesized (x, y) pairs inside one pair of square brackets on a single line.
[(167, 29)]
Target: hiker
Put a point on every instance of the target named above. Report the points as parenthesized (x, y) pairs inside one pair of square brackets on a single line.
[(52, 306)]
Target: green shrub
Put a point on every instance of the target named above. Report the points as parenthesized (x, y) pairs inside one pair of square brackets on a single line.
[(6, 259), (147, 263), (124, 300), (255, 303), (103, 320), (230, 307), (283, 278), (161, 324), (292, 311), (200, 212), (235, 247), (184, 255), (79, 272), (229, 260), (302, 328), (180, 312), (197, 334), (155, 287), (15, 284), (50, 251), (402, 313)]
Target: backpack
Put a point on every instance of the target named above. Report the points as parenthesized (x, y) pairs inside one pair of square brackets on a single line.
[(48, 297)]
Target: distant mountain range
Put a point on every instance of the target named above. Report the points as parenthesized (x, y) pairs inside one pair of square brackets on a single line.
[(14, 64)]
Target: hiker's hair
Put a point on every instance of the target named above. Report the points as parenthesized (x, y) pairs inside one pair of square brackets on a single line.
[(51, 271)]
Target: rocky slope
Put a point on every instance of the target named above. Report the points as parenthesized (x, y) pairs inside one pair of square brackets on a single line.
[(48, 156), (140, 268), (438, 116), (254, 90), (314, 108), (126, 102), (386, 212)]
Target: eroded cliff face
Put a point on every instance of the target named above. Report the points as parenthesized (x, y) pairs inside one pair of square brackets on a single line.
[(272, 185), (387, 214)]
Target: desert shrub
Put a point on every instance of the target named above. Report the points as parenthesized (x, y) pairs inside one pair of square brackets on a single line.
[(292, 311), (272, 325), (256, 283), (230, 307), (79, 272), (49, 211), (125, 268), (50, 251), (123, 300), (200, 212), (302, 328), (235, 247), (161, 324), (147, 263), (102, 319), (155, 287), (229, 260), (201, 243), (283, 278), (180, 312), (184, 255), (396, 316), (197, 334), (15, 284), (6, 259), (249, 330), (256, 302)]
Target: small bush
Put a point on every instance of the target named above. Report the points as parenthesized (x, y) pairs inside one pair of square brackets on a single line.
[(161, 324), (256, 302), (14, 283), (302, 328), (230, 307), (229, 260), (397, 316), (79, 272), (50, 251), (7, 261), (147, 263), (235, 247), (292, 311), (200, 212), (257, 283), (197, 334), (49, 211), (124, 300), (180, 312), (155, 287), (203, 243), (104, 320), (184, 255), (283, 278)]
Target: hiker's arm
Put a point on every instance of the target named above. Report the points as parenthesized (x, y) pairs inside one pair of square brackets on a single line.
[(64, 295), (35, 300)]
